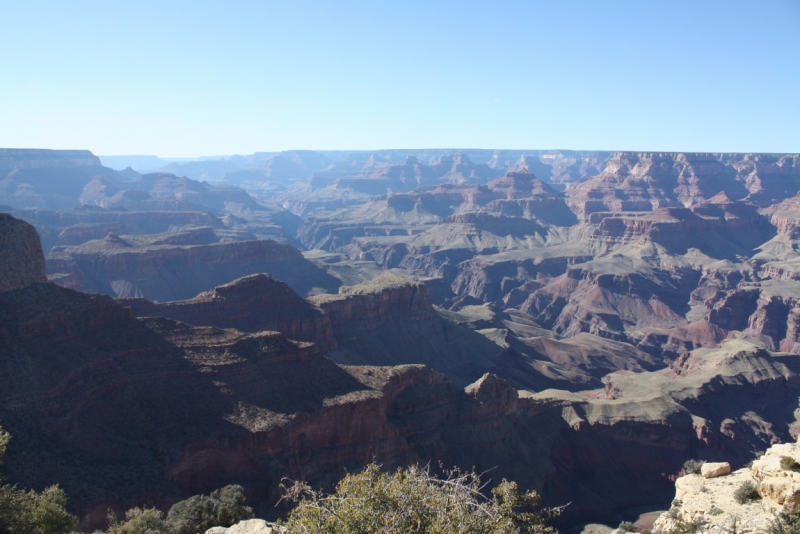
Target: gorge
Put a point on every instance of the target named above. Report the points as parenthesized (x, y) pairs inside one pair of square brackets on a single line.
[(580, 322)]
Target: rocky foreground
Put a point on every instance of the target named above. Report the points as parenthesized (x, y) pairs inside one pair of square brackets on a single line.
[(746, 500)]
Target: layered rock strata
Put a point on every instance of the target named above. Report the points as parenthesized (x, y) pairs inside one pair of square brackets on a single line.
[(250, 304), (165, 267)]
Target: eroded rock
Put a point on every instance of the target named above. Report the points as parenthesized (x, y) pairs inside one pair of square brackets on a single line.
[(715, 469)]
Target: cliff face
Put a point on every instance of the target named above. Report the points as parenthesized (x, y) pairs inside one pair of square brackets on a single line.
[(391, 321), (24, 159), (367, 306), (76, 226), (250, 304), (21, 258), (720, 227), (517, 202), (646, 181), (160, 268), (47, 178)]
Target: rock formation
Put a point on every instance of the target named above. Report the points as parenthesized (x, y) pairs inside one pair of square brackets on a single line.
[(710, 499), (251, 304), (47, 178), (177, 266), (585, 327), (21, 258)]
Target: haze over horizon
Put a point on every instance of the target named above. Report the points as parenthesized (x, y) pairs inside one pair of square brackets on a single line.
[(187, 80)]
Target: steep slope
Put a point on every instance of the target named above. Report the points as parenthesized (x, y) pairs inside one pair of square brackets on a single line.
[(391, 321)]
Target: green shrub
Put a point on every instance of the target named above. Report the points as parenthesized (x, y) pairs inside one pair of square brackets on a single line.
[(140, 521), (746, 493), (223, 508), (789, 464), (627, 526), (687, 527), (692, 467), (785, 523), (412, 500), (29, 512)]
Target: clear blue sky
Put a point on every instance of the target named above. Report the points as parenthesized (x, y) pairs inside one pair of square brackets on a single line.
[(200, 78)]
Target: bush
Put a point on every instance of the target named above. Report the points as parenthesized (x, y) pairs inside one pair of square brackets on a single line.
[(745, 493), (223, 508), (693, 467), (687, 527), (29, 512), (412, 500), (627, 526), (789, 464), (140, 521), (785, 523)]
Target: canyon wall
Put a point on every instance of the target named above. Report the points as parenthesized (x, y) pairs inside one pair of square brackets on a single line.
[(251, 304), (21, 258), (161, 268)]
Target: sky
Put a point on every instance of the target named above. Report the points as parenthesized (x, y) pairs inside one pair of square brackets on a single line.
[(199, 78)]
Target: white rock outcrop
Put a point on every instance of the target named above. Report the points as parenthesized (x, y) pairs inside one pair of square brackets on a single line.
[(251, 526), (708, 499)]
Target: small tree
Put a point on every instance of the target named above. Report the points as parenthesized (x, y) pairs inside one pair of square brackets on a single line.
[(223, 508), (693, 467), (789, 464), (140, 521), (746, 493), (785, 523), (29, 512), (414, 501)]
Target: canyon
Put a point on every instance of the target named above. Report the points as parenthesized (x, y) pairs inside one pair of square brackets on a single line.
[(580, 322)]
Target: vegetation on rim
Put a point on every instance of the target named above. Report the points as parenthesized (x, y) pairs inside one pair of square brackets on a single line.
[(413, 500)]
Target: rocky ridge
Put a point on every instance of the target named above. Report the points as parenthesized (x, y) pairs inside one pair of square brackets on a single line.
[(709, 499), (251, 304)]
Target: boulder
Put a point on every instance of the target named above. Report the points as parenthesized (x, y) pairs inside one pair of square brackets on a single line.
[(715, 469)]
